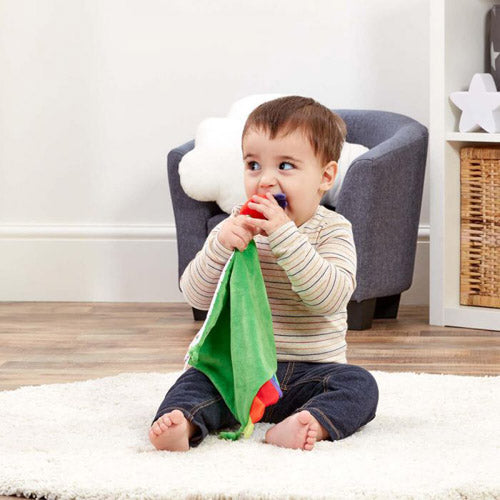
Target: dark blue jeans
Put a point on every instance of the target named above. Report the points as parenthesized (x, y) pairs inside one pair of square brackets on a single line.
[(341, 397)]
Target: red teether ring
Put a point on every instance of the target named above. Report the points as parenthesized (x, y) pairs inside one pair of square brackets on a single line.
[(249, 211)]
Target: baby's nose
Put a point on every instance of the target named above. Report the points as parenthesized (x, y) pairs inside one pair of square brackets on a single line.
[(267, 180)]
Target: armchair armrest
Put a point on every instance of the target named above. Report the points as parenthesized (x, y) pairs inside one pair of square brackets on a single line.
[(191, 216), (381, 196)]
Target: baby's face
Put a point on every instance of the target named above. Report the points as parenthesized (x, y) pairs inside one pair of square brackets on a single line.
[(286, 164)]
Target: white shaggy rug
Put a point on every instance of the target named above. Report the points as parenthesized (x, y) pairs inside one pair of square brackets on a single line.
[(435, 436)]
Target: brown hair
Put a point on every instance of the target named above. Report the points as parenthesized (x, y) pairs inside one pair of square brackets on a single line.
[(325, 129)]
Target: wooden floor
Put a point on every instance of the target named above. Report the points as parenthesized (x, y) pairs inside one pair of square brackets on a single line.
[(49, 342)]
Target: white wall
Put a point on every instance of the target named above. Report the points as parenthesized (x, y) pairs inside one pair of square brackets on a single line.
[(93, 95)]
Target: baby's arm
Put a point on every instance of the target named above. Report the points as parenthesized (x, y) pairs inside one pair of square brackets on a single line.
[(201, 276), (324, 277)]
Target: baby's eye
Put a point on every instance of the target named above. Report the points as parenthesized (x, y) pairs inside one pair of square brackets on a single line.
[(253, 165), (286, 166)]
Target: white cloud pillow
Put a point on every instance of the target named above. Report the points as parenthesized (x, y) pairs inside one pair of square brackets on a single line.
[(213, 170)]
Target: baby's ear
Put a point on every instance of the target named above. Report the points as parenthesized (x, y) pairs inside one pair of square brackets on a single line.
[(329, 173)]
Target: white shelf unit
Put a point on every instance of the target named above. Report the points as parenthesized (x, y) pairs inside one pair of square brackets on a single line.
[(458, 49), (472, 137)]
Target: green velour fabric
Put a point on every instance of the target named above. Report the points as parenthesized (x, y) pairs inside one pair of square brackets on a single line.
[(236, 348)]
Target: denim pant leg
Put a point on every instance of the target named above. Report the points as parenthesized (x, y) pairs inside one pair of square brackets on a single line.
[(194, 394), (341, 397)]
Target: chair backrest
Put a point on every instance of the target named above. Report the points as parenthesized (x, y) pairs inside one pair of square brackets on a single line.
[(373, 127)]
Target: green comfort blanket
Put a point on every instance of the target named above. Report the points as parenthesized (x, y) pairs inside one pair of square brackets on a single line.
[(235, 347)]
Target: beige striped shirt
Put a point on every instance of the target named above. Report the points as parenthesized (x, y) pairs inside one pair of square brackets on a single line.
[(310, 275)]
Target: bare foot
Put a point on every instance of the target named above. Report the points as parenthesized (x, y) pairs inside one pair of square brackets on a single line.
[(299, 431), (171, 432)]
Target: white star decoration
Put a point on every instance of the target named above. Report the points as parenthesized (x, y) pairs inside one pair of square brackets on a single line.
[(480, 105)]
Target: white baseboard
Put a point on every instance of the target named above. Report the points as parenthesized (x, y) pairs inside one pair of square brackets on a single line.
[(418, 294), (116, 264), (88, 263)]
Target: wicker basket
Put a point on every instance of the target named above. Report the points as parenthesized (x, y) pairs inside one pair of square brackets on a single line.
[(480, 227)]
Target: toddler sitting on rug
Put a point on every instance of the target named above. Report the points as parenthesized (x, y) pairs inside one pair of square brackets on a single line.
[(290, 145)]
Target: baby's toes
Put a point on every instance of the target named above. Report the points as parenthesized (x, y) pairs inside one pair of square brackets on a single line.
[(164, 423), (159, 426), (312, 432), (176, 416), (166, 420), (308, 445), (310, 438), (155, 430)]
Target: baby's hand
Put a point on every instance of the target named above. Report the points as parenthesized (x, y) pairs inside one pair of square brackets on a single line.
[(274, 215), (237, 232)]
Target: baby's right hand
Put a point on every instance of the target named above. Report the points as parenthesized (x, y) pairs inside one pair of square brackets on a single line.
[(236, 233)]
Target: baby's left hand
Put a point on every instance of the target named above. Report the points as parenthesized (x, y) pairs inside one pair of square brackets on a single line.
[(274, 215)]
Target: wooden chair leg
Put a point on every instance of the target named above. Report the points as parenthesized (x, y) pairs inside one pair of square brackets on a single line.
[(387, 307), (199, 315), (360, 314)]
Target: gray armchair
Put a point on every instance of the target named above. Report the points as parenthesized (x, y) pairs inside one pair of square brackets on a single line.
[(381, 196)]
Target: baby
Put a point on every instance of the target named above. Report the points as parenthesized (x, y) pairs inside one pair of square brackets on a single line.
[(290, 145)]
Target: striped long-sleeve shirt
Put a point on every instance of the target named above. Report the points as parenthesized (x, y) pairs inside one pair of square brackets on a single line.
[(309, 273)]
